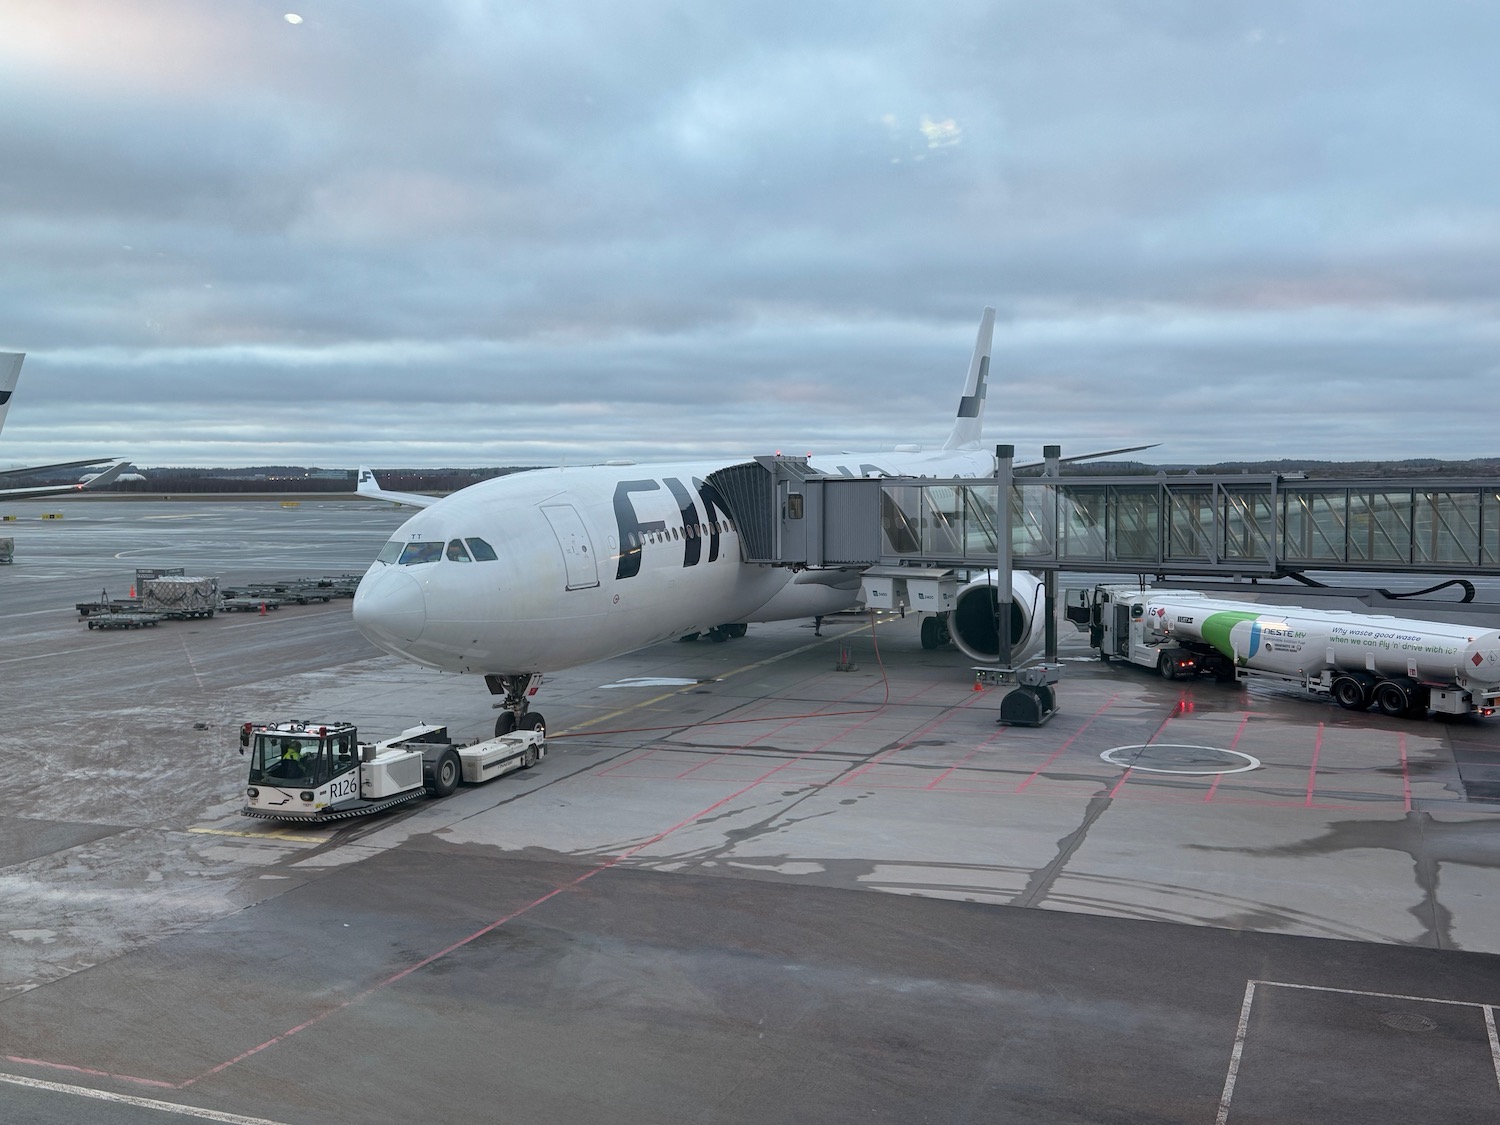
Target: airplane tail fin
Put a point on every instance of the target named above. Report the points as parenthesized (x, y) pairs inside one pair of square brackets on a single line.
[(968, 427), (99, 480), (369, 488), (10, 371)]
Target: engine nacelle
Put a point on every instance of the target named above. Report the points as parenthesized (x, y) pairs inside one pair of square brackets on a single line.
[(974, 627)]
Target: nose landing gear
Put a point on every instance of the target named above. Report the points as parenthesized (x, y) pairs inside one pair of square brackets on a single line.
[(518, 691)]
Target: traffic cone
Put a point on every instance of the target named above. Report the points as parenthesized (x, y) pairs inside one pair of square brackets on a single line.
[(978, 686), (262, 609), (132, 591)]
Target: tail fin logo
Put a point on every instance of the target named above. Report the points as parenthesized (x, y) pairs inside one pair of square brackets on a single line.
[(970, 405)]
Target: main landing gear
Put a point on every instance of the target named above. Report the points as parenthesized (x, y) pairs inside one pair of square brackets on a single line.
[(518, 691), (719, 633), (935, 631)]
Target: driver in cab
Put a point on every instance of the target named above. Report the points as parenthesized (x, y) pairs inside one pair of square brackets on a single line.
[(292, 764)]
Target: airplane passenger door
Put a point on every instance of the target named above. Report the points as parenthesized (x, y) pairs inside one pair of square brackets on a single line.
[(573, 540)]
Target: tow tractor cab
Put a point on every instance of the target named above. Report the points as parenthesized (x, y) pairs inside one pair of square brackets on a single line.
[(303, 771)]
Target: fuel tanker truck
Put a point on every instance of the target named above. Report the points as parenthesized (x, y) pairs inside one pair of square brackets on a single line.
[(1402, 667)]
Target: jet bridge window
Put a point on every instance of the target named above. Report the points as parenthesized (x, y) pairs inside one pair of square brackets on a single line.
[(457, 552), (414, 553), (481, 550)]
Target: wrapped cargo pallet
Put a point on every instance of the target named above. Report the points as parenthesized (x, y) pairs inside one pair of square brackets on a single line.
[(181, 597)]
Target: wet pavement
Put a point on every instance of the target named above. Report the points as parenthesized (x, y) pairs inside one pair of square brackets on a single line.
[(743, 886)]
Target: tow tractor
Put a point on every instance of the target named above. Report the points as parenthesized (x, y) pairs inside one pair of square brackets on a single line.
[(312, 771)]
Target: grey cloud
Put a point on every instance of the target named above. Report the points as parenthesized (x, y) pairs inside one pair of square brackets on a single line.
[(543, 231)]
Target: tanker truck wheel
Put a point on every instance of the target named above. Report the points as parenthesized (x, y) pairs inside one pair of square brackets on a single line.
[(1420, 698), (1349, 693), (1167, 667), (1392, 699)]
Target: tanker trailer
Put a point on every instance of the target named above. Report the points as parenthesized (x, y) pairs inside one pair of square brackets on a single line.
[(1401, 666)]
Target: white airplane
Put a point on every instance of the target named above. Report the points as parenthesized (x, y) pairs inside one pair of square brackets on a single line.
[(548, 569), (10, 372)]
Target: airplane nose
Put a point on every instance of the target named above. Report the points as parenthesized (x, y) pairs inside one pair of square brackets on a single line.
[(389, 607)]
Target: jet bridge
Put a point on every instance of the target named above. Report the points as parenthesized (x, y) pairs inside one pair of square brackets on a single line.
[(1240, 525), (911, 534)]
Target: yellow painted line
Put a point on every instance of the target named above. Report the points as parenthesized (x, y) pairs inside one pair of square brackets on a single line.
[(302, 839), (687, 687)]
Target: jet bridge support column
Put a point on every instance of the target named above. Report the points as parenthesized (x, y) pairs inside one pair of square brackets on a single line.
[(1031, 700), (1052, 455), (1005, 458)]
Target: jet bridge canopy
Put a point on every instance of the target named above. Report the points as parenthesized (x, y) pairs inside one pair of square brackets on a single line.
[(1250, 525)]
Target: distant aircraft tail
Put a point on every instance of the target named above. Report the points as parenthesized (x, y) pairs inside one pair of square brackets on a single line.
[(968, 427), (10, 371), (369, 488)]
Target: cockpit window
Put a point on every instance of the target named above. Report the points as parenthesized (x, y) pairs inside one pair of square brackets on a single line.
[(390, 552), (482, 551), (414, 553), (456, 551)]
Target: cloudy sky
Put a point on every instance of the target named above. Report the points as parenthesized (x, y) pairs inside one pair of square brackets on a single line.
[(460, 232)]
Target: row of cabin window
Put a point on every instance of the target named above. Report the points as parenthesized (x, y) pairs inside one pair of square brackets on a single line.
[(422, 551), (410, 554), (691, 531)]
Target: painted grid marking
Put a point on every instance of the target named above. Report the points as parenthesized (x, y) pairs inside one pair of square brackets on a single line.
[(1242, 1030), (962, 772), (561, 888)]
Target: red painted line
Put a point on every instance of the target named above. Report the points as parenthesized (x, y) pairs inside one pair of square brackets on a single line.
[(1240, 730), (880, 759), (1405, 776), (1312, 770), (663, 777), (1233, 742), (91, 1072), (655, 748), (1181, 708), (942, 776), (569, 885), (623, 762), (321, 1016), (1056, 753), (1291, 803), (789, 720)]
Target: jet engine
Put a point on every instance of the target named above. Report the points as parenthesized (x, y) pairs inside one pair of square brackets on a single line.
[(973, 622)]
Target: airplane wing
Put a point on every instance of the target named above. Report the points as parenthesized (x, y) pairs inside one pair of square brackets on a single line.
[(97, 481), (32, 470), (10, 372), (1090, 456), (370, 488)]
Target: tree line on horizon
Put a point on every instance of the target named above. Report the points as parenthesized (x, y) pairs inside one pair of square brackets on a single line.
[(305, 479)]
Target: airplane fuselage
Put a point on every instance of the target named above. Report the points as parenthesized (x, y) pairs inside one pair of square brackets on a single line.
[(590, 563)]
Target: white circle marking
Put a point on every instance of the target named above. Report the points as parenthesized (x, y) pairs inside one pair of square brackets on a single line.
[(1251, 763)]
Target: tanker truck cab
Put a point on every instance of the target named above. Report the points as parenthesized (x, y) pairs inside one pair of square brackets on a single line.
[(1123, 625)]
